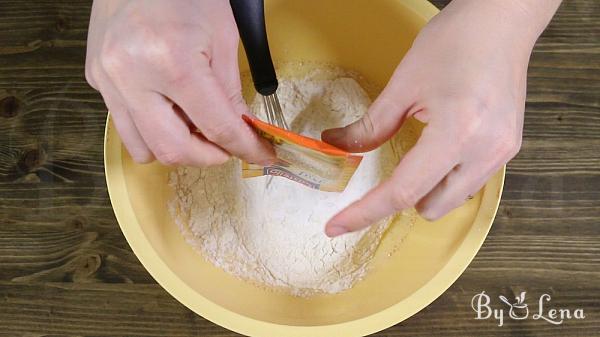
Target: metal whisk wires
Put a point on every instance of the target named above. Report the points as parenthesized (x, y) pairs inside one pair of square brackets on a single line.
[(274, 113)]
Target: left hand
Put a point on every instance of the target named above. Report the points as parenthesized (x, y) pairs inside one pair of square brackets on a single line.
[(465, 77)]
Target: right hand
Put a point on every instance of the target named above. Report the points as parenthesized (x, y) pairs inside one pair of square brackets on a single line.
[(166, 69)]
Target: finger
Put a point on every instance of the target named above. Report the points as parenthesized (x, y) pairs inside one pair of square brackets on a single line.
[(130, 136), (224, 63), (454, 190), (383, 119), (168, 135), (203, 99), (421, 169)]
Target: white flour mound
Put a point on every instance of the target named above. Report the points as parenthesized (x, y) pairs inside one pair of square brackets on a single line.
[(273, 234)]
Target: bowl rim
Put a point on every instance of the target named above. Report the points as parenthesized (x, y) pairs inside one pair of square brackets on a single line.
[(211, 311)]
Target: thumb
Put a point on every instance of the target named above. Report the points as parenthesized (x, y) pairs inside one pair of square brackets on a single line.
[(383, 119)]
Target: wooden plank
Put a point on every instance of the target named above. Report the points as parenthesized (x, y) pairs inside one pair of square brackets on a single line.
[(134, 310), (44, 131)]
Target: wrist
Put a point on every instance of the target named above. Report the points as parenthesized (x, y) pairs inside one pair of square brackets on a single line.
[(534, 15), (523, 20)]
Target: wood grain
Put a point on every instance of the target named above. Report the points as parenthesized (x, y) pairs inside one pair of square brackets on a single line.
[(66, 269)]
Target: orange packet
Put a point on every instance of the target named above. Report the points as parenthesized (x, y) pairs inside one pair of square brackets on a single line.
[(302, 159)]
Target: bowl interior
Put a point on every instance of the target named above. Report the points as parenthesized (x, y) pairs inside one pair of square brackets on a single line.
[(371, 38)]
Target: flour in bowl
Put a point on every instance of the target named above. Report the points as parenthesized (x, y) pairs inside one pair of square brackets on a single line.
[(270, 231)]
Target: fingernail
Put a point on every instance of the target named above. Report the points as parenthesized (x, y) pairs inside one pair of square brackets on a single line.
[(333, 231)]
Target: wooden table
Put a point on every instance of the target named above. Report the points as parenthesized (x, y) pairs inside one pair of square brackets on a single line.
[(66, 269)]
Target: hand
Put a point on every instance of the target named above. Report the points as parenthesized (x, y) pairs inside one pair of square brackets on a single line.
[(465, 77), (166, 68)]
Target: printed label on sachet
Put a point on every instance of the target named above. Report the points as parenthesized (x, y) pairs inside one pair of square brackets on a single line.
[(305, 160)]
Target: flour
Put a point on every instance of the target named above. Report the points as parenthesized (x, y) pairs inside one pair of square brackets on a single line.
[(271, 231)]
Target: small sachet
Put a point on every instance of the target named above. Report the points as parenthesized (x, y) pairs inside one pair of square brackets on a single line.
[(302, 159)]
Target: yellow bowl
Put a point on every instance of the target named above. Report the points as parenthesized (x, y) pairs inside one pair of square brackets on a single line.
[(370, 37)]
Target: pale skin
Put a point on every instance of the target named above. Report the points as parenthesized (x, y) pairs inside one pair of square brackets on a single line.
[(464, 76), (160, 87)]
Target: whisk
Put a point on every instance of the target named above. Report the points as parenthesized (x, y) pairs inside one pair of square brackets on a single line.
[(250, 19), (274, 114)]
